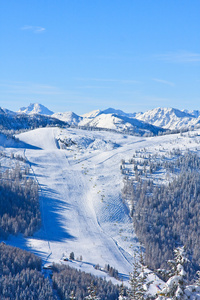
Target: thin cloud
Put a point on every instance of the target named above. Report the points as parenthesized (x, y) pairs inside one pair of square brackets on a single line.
[(26, 88), (34, 29), (163, 81), (124, 81), (179, 57)]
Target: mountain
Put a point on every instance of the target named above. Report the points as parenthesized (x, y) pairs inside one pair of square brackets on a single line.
[(168, 118), (109, 119), (36, 108), (195, 113), (118, 120), (92, 114), (118, 112), (7, 111), (23, 121), (120, 123), (69, 117), (109, 110)]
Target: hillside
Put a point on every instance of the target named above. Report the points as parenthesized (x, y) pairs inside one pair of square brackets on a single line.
[(80, 180), (69, 117), (9, 121)]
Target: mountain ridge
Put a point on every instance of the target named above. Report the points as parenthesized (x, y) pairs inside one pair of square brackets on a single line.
[(162, 118)]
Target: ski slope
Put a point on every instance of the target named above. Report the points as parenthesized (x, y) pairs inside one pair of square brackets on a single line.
[(82, 210), (80, 182)]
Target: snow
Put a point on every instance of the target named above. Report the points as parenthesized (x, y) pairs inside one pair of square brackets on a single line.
[(69, 117), (92, 114), (80, 194), (119, 123), (169, 118), (35, 108)]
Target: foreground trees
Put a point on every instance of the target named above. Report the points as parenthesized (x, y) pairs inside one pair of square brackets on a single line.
[(20, 276)]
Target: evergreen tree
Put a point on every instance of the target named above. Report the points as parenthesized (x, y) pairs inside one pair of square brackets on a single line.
[(91, 292), (72, 297), (176, 284), (121, 293), (138, 281)]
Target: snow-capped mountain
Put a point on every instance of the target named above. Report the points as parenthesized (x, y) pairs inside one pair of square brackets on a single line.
[(195, 113), (36, 108), (109, 119), (92, 114), (24, 121), (169, 118), (120, 123), (109, 110), (7, 111), (69, 117), (118, 112), (115, 119)]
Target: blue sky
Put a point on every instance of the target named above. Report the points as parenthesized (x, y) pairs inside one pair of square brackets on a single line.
[(86, 55)]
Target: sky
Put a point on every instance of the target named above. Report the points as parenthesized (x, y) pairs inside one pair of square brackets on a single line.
[(85, 55)]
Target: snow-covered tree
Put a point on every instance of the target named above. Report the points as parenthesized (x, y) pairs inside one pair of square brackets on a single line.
[(138, 281), (91, 292), (72, 297), (176, 285), (121, 293)]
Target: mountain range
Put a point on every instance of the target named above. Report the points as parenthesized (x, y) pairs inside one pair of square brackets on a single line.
[(150, 122)]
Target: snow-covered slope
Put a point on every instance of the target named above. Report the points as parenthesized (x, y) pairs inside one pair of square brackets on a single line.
[(7, 111), (92, 114), (169, 118), (69, 117), (80, 193), (195, 113), (109, 110), (118, 112), (24, 121), (120, 123), (36, 108)]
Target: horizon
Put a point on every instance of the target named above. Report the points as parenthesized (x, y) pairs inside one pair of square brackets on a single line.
[(75, 56)]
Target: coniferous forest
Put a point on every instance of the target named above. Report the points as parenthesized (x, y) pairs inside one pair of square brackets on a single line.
[(19, 202), (166, 215)]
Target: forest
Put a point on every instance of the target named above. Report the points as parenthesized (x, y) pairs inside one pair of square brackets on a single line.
[(165, 215), (23, 277), (20, 275), (67, 280), (19, 201)]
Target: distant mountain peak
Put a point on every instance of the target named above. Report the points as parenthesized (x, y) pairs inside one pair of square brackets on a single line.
[(168, 118), (36, 108), (92, 114)]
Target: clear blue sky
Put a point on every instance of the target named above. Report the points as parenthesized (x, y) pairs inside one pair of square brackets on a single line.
[(83, 55)]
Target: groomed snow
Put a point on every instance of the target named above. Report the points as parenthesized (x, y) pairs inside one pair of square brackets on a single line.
[(80, 194)]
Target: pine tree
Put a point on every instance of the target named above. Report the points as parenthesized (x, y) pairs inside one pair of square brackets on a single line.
[(91, 292), (138, 281), (176, 284), (121, 293), (72, 297)]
